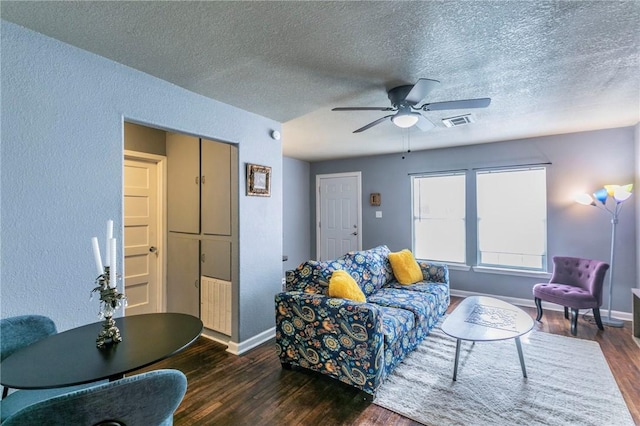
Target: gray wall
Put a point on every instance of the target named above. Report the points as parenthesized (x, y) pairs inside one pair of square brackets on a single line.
[(581, 162), (63, 113), (296, 217)]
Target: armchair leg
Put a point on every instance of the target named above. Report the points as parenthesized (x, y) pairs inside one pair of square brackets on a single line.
[(574, 321), (566, 312), (539, 308), (596, 315)]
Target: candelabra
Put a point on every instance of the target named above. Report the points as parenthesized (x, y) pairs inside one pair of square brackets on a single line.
[(110, 300)]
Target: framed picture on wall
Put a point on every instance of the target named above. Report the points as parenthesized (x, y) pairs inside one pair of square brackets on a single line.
[(258, 180)]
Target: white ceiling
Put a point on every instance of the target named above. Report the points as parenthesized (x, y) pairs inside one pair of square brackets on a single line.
[(550, 67)]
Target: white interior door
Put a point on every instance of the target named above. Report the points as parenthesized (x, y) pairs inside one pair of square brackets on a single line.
[(143, 274), (339, 214)]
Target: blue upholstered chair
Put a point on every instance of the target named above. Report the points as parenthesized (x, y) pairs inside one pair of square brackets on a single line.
[(18, 332), (576, 283), (146, 399)]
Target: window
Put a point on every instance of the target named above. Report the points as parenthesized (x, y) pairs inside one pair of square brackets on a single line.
[(512, 218), (511, 226), (439, 217)]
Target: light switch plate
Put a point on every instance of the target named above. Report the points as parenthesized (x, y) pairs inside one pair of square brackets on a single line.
[(378, 214)]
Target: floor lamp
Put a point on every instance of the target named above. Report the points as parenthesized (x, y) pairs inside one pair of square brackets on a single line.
[(619, 194)]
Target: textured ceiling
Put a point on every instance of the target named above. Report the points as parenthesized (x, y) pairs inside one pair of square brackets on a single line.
[(550, 67)]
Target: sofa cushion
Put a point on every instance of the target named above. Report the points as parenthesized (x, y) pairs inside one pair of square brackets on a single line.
[(405, 268), (422, 305), (342, 285), (368, 267), (396, 323), (439, 290)]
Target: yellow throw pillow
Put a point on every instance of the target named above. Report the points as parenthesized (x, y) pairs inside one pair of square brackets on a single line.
[(405, 268), (342, 285)]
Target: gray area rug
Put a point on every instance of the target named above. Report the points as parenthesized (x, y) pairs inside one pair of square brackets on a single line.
[(569, 383)]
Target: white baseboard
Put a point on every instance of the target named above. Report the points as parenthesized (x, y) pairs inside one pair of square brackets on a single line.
[(242, 347), (214, 336), (626, 316)]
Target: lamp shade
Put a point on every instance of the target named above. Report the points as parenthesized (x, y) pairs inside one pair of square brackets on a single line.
[(584, 199), (601, 195), (621, 194), (611, 189)]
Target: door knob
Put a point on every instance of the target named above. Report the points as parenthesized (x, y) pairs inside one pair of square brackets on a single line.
[(153, 249), (354, 233)]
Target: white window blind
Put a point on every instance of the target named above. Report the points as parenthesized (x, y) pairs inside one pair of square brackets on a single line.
[(512, 218), (438, 205)]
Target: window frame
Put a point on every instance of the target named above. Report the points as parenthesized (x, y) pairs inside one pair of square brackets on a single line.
[(455, 265), (501, 268), (472, 242)]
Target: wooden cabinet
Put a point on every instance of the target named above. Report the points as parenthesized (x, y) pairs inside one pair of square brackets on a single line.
[(183, 274), (215, 184), (215, 259), (198, 185), (202, 186), (183, 183)]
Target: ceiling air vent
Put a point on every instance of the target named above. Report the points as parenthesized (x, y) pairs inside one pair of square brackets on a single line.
[(458, 120)]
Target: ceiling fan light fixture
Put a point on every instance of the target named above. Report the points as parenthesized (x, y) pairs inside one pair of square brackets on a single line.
[(407, 99), (405, 120)]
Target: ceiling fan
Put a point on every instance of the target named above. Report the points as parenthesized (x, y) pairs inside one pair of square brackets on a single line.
[(404, 100)]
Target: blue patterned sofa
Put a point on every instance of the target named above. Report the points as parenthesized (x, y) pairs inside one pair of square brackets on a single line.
[(357, 343)]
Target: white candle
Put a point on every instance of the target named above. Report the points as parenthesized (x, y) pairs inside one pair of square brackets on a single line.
[(96, 255), (112, 268), (107, 261)]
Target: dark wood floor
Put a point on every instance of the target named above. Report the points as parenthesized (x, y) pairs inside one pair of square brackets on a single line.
[(253, 389)]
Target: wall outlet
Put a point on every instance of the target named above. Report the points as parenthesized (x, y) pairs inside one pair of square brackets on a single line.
[(284, 284), (378, 214)]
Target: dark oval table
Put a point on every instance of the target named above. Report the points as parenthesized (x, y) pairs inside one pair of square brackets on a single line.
[(72, 358)]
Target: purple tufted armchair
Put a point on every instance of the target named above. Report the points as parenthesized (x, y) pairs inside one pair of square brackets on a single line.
[(577, 284)]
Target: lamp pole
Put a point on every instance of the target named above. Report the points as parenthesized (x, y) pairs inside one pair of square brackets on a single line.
[(612, 322)]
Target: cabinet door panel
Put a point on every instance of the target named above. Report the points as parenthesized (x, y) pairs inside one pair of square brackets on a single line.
[(183, 183), (216, 188), (216, 259), (183, 275)]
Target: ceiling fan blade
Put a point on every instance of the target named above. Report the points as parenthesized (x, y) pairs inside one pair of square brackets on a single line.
[(420, 90), (373, 123), (462, 104), (424, 124), (363, 109)]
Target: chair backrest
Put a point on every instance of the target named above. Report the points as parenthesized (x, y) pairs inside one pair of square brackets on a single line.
[(18, 332), (584, 273), (142, 400)]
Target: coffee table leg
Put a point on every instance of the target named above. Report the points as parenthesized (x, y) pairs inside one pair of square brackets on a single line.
[(455, 365), (519, 346)]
